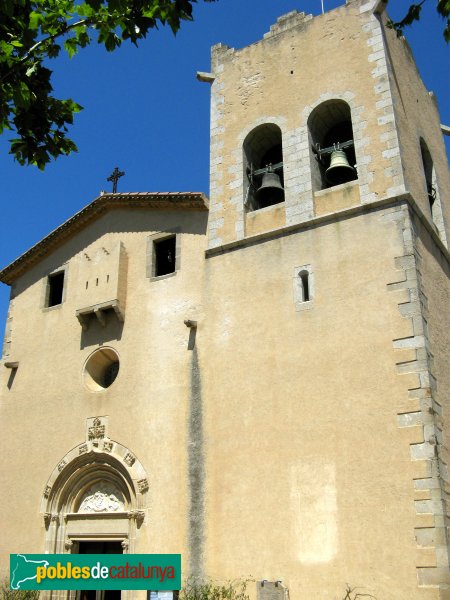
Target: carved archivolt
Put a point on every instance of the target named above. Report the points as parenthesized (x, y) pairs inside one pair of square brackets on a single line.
[(97, 476)]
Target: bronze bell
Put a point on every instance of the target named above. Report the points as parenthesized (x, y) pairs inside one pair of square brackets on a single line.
[(339, 170), (270, 191)]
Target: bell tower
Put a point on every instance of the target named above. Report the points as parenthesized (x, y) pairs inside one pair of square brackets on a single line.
[(328, 284), (318, 103)]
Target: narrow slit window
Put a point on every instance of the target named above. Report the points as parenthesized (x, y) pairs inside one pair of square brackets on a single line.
[(55, 287), (303, 282), (304, 277), (165, 256)]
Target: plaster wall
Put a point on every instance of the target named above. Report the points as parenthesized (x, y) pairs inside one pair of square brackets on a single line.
[(310, 479), (45, 409)]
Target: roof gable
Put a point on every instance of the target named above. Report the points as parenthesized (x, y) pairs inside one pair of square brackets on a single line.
[(190, 201)]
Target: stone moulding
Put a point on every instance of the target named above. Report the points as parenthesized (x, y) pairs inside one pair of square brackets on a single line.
[(393, 200), (110, 452)]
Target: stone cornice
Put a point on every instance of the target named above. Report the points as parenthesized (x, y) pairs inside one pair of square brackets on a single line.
[(347, 213), (192, 201)]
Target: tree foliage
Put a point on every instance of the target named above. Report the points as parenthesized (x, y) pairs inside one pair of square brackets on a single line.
[(413, 14), (33, 31)]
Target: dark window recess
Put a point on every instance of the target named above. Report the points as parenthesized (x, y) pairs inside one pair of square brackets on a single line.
[(427, 163), (55, 288), (332, 144), (304, 276), (100, 547), (111, 373), (165, 256), (263, 154), (431, 195)]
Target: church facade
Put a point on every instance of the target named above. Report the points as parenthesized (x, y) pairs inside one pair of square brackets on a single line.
[(259, 380)]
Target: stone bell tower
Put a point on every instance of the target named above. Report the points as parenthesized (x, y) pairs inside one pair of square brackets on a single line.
[(328, 267), (309, 84)]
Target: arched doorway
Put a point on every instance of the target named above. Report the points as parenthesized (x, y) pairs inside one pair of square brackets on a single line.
[(95, 501)]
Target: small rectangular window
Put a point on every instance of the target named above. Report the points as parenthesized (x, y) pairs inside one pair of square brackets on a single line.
[(164, 256), (55, 287)]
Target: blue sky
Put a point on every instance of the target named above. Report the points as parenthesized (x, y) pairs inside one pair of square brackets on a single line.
[(145, 112)]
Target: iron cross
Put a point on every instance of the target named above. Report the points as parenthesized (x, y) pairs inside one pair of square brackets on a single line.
[(114, 177)]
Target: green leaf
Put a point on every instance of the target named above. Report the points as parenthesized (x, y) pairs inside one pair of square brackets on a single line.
[(112, 41), (444, 8), (95, 4), (22, 95), (32, 31), (447, 31), (53, 50), (71, 46), (35, 20)]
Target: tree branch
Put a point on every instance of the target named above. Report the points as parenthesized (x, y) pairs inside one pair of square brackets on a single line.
[(88, 21)]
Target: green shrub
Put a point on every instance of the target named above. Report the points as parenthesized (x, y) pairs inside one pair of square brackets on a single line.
[(194, 589), (7, 594)]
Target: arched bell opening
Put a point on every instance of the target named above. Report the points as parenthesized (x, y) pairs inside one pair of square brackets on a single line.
[(432, 190), (263, 167), (333, 157), (427, 164)]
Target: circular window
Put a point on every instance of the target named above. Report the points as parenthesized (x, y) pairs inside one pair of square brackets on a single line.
[(101, 369)]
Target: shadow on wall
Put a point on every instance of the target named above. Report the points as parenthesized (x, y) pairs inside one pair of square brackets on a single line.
[(97, 334)]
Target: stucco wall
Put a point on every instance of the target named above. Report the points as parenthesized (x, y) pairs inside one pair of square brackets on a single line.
[(44, 412), (310, 479)]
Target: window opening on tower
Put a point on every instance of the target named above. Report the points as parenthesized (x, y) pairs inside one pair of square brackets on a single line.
[(332, 145), (263, 166)]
